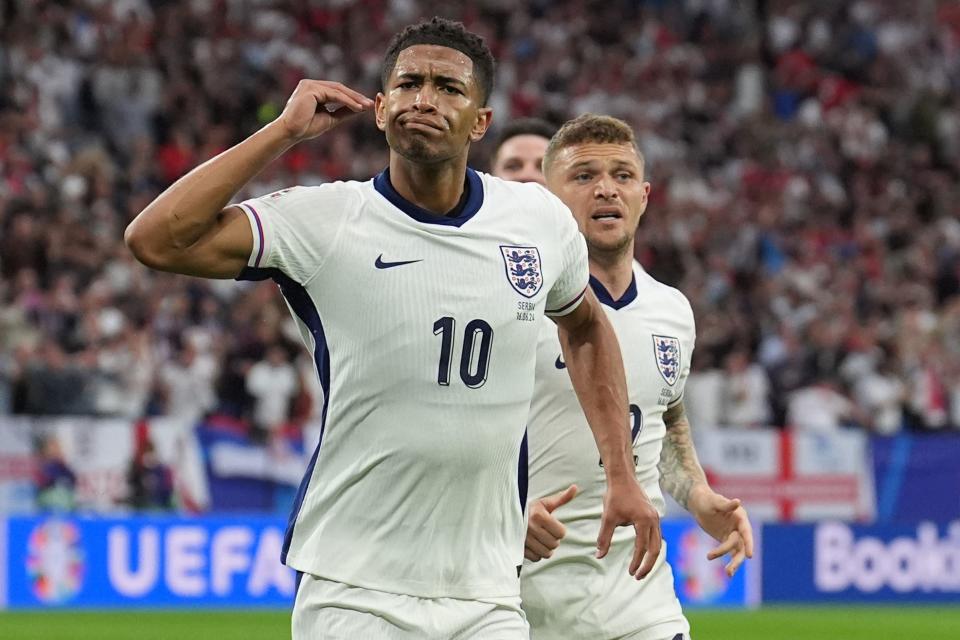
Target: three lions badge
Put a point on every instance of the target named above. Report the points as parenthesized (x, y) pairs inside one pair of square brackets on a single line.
[(523, 269)]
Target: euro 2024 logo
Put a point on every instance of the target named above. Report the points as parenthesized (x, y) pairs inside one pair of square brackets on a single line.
[(700, 580), (55, 562)]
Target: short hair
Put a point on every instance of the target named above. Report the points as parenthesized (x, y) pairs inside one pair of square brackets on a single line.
[(445, 33), (524, 127), (591, 127)]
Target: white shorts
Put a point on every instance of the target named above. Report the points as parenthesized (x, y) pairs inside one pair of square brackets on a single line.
[(327, 610), (582, 598)]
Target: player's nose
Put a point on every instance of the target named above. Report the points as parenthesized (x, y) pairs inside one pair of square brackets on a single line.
[(606, 188), (426, 100)]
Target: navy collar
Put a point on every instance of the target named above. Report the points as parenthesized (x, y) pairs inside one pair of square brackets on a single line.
[(468, 206), (605, 298)]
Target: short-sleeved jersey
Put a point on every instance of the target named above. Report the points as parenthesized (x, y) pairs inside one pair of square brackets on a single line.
[(572, 594), (423, 330)]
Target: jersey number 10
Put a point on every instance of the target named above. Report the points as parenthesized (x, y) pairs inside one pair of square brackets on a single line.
[(474, 357)]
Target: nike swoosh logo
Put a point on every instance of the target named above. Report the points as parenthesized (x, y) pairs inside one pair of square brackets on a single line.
[(560, 364), (380, 264)]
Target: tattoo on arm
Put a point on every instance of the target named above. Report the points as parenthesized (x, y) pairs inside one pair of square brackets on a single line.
[(680, 470)]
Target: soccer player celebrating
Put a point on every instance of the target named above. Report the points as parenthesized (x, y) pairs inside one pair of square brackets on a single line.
[(419, 294), (594, 166), (518, 154)]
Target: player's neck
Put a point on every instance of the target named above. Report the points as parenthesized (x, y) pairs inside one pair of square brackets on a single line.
[(435, 187), (614, 271)]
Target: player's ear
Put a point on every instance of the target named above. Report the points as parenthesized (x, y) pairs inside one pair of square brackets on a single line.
[(380, 109), (484, 118)]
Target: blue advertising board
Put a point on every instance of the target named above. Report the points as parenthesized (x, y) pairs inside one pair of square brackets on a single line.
[(917, 477), (146, 562), (169, 562), (839, 562)]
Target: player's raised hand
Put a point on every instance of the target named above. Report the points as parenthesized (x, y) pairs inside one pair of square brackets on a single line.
[(726, 520), (544, 530), (316, 106), (625, 503)]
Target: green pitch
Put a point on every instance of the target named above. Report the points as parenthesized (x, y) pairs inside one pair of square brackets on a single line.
[(794, 623)]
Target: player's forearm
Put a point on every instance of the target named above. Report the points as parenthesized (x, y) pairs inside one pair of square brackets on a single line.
[(595, 365), (188, 209), (680, 470)]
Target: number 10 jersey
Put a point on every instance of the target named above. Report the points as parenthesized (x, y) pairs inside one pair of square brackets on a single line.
[(424, 331)]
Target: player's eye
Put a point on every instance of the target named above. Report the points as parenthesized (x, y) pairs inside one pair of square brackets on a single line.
[(624, 175), (582, 177), (451, 90), (409, 84)]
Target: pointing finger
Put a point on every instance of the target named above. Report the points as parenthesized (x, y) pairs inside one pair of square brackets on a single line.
[(605, 535)]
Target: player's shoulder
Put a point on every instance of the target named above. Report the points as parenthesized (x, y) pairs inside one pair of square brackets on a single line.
[(341, 192), (649, 288), (535, 199)]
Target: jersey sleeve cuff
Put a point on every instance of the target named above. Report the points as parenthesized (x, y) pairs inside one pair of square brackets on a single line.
[(261, 243), (568, 308), (675, 401)]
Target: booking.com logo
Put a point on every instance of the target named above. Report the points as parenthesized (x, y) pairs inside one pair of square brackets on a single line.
[(924, 562)]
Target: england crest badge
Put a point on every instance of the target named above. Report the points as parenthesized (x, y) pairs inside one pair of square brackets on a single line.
[(523, 269), (666, 351)]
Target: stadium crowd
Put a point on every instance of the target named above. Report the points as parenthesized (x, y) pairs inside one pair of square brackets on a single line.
[(805, 162)]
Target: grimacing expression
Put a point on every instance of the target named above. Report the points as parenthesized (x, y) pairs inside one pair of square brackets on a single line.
[(603, 185), (431, 107), (520, 158)]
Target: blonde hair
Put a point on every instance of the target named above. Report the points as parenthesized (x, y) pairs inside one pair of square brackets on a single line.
[(590, 127)]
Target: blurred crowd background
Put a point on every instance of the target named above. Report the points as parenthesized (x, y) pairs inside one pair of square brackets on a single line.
[(804, 157)]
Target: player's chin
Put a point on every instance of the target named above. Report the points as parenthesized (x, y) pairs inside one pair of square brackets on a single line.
[(608, 237), (417, 149)]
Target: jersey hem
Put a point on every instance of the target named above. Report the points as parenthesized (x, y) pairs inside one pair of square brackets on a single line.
[(415, 589)]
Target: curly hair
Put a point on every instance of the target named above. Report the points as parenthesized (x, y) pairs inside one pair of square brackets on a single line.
[(445, 33)]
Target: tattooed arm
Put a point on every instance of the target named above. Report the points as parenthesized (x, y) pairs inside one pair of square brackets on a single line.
[(682, 477), (680, 470)]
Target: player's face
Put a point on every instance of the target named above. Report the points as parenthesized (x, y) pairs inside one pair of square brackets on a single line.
[(431, 107), (602, 184), (520, 159)]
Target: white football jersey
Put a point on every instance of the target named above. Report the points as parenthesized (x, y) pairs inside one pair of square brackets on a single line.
[(424, 331), (572, 594)]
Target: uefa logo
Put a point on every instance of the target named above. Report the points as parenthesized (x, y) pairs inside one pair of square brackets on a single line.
[(700, 580), (55, 563)]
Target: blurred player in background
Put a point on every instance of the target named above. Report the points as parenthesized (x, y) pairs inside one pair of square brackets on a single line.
[(594, 166), (420, 294), (518, 154)]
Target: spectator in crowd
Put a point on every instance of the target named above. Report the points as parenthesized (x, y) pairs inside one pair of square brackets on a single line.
[(188, 384), (273, 382), (744, 392), (881, 395), (821, 406), (704, 392), (56, 482), (150, 481), (58, 384), (805, 157)]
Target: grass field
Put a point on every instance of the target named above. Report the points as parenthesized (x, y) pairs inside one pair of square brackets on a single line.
[(795, 623)]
